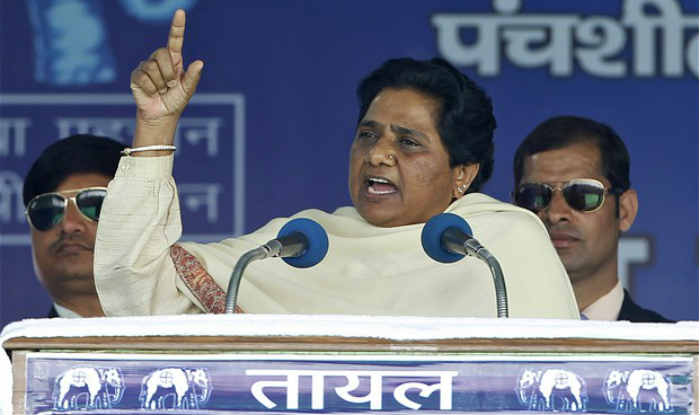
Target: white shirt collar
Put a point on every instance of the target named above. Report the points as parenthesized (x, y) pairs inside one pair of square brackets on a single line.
[(65, 312), (608, 306)]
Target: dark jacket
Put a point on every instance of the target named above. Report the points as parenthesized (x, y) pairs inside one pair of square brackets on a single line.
[(630, 311)]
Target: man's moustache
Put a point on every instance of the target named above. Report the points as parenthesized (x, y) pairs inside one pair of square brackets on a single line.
[(68, 239)]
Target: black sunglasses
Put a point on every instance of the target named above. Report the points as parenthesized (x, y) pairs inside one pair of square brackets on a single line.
[(585, 195), (48, 209)]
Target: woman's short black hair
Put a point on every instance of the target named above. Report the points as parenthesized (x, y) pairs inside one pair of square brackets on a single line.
[(465, 122), (82, 153)]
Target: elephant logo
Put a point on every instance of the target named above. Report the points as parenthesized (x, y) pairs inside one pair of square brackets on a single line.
[(175, 388), (629, 390), (88, 388), (552, 390)]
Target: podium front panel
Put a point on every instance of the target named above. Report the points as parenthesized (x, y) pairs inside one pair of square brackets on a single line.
[(350, 383), (264, 364)]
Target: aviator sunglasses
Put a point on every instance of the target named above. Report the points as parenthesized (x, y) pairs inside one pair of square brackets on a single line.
[(48, 209), (585, 195)]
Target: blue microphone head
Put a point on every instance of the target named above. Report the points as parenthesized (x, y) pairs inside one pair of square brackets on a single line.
[(317, 237), (431, 237)]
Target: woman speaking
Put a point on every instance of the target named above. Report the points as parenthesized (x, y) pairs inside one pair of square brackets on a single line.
[(423, 146)]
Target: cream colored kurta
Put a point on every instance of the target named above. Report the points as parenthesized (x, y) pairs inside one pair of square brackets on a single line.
[(368, 270)]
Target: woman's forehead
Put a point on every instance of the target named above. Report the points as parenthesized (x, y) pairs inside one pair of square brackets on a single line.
[(403, 107)]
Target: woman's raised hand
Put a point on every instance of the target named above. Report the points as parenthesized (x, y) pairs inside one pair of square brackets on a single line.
[(162, 89)]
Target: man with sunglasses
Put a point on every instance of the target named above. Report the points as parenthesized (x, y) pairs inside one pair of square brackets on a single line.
[(63, 194), (574, 174)]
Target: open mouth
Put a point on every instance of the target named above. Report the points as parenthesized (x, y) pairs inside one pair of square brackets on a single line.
[(380, 186)]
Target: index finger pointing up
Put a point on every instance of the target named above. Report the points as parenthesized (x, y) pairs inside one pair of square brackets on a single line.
[(176, 38)]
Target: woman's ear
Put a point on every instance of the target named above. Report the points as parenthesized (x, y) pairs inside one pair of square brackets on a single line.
[(463, 176)]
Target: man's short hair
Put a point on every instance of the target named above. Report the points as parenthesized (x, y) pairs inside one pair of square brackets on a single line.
[(563, 131), (465, 122), (82, 153)]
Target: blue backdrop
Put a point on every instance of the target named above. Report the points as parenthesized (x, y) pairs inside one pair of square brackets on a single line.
[(270, 128)]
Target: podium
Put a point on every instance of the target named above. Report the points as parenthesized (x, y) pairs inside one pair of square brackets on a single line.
[(261, 364)]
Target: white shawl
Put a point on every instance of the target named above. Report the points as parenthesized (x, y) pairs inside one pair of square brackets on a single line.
[(368, 270)]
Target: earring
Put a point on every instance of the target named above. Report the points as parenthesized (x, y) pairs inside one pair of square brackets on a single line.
[(462, 188), (389, 157)]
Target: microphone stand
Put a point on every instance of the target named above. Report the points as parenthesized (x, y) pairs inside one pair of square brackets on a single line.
[(452, 239), (291, 245), (237, 274)]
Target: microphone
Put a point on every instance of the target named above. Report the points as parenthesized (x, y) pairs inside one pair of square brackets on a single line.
[(448, 238), (301, 243)]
